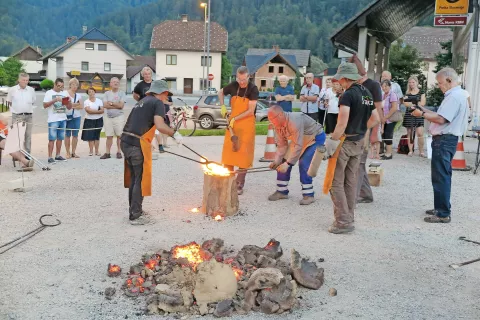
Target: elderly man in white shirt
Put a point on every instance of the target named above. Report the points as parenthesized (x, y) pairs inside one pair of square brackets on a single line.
[(22, 99), (447, 125), (309, 96)]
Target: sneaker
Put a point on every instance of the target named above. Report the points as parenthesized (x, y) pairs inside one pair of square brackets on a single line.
[(160, 149), (307, 200), (105, 156), (435, 219), (51, 161), (142, 220), (277, 196), (336, 230), (119, 155), (60, 158), (387, 157), (431, 212), (364, 200)]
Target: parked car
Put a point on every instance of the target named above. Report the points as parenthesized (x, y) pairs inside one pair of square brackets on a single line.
[(212, 91), (206, 112), (4, 90), (267, 97)]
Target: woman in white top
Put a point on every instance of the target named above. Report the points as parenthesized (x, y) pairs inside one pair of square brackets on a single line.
[(93, 120), (74, 118), (332, 107)]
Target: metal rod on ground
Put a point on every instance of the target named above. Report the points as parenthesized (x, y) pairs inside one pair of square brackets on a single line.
[(458, 265), (467, 240)]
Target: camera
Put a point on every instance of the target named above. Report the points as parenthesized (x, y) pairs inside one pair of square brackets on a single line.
[(411, 98)]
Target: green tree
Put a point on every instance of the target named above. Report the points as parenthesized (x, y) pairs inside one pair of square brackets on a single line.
[(297, 85), (276, 83), (405, 61), (227, 70), (317, 66), (46, 84), (11, 68)]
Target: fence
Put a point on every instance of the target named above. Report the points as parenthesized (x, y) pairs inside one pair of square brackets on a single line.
[(5, 105)]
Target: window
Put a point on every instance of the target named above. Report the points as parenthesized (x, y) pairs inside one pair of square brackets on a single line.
[(271, 69), (89, 46), (171, 59), (107, 66), (102, 47), (203, 61), (280, 69), (84, 66), (263, 83)]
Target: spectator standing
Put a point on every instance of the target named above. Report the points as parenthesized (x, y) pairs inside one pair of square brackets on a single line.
[(323, 98), (93, 124), (56, 101), (284, 94), (143, 86), (390, 106), (113, 102), (22, 99), (448, 124), (357, 114), (74, 118), (309, 96), (413, 123), (161, 137), (332, 107), (387, 75)]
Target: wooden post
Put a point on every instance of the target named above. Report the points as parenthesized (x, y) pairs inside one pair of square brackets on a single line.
[(220, 195)]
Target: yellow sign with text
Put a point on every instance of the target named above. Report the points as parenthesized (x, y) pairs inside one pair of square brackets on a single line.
[(447, 7), (75, 73)]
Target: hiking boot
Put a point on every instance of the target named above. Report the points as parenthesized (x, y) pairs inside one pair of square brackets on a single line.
[(431, 212), (277, 196), (105, 156), (51, 161), (119, 155), (435, 219), (142, 220), (60, 158), (307, 200), (336, 230)]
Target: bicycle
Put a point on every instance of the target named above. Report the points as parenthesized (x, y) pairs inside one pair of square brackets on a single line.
[(182, 119)]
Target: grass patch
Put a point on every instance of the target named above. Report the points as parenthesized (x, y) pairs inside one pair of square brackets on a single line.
[(261, 129), (296, 109), (4, 108)]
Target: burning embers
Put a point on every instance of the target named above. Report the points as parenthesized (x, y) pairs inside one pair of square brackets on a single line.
[(213, 169), (113, 270), (201, 279)]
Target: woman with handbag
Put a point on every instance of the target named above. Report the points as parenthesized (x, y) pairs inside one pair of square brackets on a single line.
[(392, 115), (74, 118)]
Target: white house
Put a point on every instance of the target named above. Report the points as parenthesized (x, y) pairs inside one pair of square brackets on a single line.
[(29, 56), (93, 58), (179, 46), (134, 69)]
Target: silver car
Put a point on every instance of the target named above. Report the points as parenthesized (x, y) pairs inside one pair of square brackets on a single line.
[(4, 90), (206, 112)]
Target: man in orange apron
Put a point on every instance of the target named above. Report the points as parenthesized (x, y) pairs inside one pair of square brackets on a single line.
[(244, 96), (138, 133)]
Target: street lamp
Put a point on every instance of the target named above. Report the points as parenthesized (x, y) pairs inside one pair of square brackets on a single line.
[(204, 6), (209, 16)]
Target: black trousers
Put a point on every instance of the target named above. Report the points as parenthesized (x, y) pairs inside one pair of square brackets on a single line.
[(134, 158), (388, 133), (331, 122), (314, 116), (321, 116)]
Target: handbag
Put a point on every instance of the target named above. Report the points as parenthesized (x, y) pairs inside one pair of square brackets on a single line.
[(397, 115), (70, 116)]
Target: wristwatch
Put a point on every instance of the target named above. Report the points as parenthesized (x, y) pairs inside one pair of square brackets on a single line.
[(423, 112)]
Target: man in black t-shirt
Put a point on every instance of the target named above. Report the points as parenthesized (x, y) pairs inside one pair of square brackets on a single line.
[(357, 114), (143, 86), (146, 116), (244, 96)]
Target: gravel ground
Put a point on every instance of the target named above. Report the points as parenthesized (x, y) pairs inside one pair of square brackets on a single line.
[(394, 266)]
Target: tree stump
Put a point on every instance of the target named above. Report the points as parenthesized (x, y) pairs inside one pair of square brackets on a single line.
[(220, 195)]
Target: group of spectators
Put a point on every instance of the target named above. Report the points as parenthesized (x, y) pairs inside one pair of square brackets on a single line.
[(66, 107)]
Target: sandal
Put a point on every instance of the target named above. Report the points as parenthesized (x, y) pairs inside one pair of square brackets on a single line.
[(74, 155), (90, 154), (422, 155), (410, 154), (68, 155)]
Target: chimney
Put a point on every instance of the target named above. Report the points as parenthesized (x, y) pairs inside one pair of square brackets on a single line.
[(184, 17), (84, 29), (276, 48), (39, 49)]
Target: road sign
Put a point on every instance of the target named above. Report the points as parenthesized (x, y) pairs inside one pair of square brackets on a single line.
[(210, 77), (450, 21), (450, 7), (75, 73)]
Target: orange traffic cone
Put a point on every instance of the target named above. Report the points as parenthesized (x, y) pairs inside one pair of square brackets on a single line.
[(270, 147), (459, 163)]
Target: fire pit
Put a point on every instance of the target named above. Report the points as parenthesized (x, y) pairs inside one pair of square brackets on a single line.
[(201, 279), (220, 198)]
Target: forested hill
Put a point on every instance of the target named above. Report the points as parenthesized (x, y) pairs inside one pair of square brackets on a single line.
[(301, 24)]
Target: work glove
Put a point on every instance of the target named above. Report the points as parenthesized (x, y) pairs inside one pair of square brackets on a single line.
[(178, 137), (283, 167), (223, 110), (331, 146), (232, 122)]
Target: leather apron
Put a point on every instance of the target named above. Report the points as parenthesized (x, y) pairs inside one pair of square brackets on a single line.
[(244, 129), (146, 146)]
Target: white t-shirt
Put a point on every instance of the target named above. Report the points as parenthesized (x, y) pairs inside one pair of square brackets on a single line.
[(57, 111), (94, 106), (332, 102), (78, 99), (23, 100)]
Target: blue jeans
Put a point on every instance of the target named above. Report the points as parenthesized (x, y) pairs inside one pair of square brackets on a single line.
[(56, 130), (303, 165), (443, 150)]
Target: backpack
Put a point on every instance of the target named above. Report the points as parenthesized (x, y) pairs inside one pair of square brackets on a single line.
[(403, 145)]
